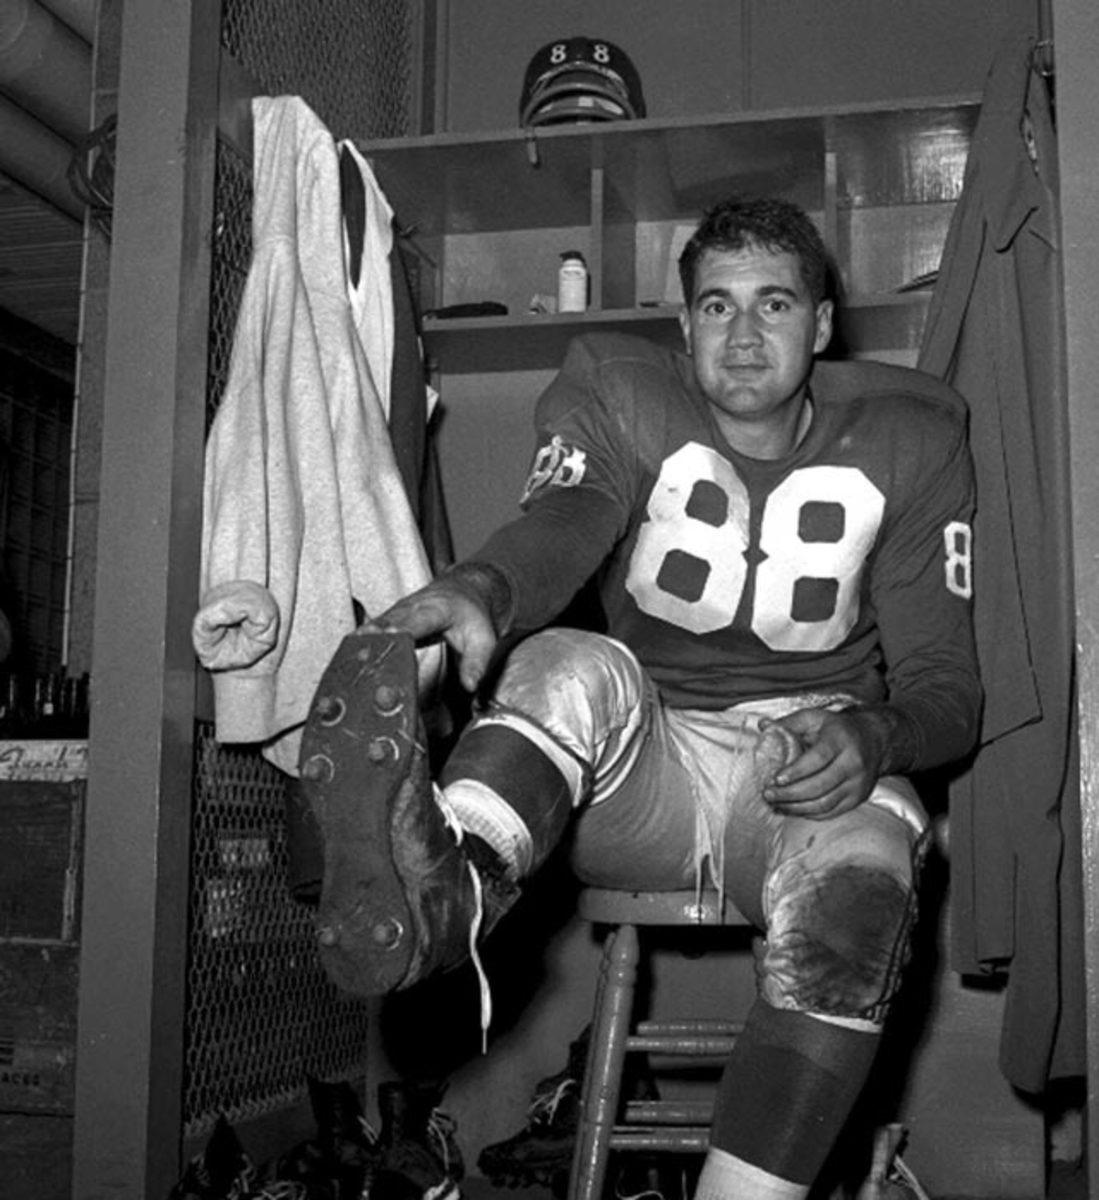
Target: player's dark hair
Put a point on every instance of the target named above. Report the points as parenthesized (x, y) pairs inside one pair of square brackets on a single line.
[(742, 221)]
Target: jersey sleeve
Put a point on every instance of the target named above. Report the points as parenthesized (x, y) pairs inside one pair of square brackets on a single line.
[(922, 587), (581, 486)]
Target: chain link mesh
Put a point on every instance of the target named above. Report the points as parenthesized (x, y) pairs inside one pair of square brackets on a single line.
[(229, 270), (350, 60), (260, 1014)]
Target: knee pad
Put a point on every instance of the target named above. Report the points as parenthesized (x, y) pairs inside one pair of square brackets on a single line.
[(580, 687), (838, 940), (566, 659)]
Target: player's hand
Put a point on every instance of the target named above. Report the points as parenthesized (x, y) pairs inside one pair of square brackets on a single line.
[(447, 609), (840, 763)]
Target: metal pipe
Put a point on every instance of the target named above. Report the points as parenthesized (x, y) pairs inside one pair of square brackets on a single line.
[(37, 158), (45, 68)]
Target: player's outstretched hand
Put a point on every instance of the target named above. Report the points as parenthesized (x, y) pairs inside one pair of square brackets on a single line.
[(445, 608), (839, 764)]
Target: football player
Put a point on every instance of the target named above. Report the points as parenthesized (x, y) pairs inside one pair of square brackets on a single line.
[(782, 549)]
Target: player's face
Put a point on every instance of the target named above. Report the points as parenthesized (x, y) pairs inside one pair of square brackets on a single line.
[(752, 330)]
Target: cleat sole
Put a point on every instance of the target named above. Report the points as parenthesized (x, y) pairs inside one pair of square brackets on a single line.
[(360, 747)]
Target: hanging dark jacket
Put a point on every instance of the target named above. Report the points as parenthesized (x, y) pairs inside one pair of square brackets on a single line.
[(995, 331)]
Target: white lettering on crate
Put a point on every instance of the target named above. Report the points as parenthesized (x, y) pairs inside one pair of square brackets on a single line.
[(45, 761)]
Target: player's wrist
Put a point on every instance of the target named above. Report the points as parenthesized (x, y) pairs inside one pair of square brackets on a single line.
[(488, 587), (891, 734)]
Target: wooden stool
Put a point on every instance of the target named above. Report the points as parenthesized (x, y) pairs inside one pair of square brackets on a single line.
[(605, 1124)]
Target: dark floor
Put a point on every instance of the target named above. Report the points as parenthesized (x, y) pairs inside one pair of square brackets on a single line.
[(477, 1187), (1067, 1182)]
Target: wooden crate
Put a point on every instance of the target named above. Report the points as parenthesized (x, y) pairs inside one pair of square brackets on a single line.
[(38, 996), (45, 760), (35, 1157), (40, 846), (41, 842)]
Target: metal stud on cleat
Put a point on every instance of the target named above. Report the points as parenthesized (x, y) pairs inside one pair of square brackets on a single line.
[(388, 933), (330, 709), (382, 751), (317, 768), (388, 700)]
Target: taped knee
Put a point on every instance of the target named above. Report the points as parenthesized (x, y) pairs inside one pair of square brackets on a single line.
[(837, 941)]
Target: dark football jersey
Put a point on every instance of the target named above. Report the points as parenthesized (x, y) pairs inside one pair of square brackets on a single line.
[(843, 567)]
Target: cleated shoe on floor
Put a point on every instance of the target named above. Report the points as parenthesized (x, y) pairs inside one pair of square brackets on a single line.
[(418, 1154), (540, 1154), (400, 899)]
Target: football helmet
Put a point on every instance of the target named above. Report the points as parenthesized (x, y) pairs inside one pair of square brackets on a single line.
[(580, 79)]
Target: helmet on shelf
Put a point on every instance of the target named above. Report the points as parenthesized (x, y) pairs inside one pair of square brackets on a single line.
[(580, 79)]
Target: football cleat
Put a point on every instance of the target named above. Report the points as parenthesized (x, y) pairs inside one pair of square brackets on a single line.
[(400, 899), (418, 1153), (540, 1154)]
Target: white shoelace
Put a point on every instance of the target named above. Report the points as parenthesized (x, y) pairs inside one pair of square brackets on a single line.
[(455, 826), (904, 1172), (544, 1108), (440, 1130)]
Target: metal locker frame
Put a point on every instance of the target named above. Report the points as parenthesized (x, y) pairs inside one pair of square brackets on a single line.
[(133, 939), (1075, 33)]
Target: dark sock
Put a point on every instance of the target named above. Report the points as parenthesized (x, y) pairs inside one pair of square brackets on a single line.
[(788, 1089), (520, 774)]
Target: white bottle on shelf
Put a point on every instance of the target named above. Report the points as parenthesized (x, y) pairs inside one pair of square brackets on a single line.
[(572, 283)]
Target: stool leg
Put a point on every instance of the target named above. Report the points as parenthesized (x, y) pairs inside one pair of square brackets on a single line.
[(606, 1061)]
